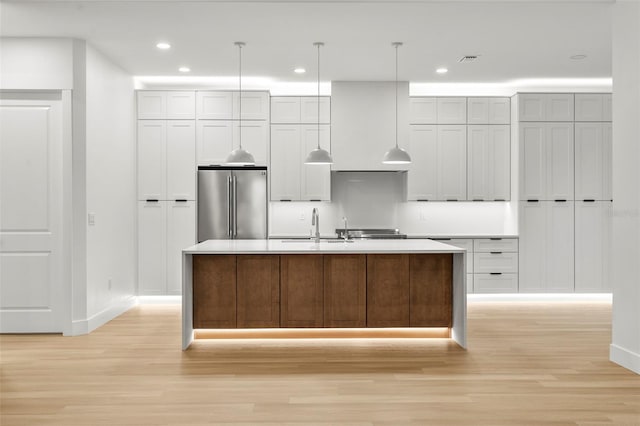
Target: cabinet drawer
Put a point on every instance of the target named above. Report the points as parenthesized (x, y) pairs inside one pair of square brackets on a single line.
[(495, 262), (495, 244), (492, 283)]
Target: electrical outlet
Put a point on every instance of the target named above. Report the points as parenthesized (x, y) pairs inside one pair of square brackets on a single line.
[(301, 216), (423, 217), (92, 219)]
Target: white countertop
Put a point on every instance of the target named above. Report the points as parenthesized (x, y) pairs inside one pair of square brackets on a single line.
[(309, 246)]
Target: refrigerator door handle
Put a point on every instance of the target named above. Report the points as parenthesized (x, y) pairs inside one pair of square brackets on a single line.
[(235, 207), (230, 212)]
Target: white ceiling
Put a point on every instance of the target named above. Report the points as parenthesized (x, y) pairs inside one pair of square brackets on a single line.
[(515, 39)]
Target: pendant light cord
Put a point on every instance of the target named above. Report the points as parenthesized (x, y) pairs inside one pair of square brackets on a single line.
[(318, 95), (240, 44), (397, 44)]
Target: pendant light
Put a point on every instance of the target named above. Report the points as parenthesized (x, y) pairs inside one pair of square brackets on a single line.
[(318, 156), (396, 155), (240, 157)]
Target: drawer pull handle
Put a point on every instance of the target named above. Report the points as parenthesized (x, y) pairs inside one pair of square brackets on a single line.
[(284, 199), (495, 273), (560, 201), (589, 201), (441, 239), (499, 199), (181, 200), (452, 199), (496, 252), (152, 200), (532, 201), (422, 200), (495, 239)]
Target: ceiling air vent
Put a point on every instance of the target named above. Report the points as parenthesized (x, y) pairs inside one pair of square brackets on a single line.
[(468, 58)]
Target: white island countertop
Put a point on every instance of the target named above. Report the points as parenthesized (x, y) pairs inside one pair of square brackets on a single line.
[(324, 246)]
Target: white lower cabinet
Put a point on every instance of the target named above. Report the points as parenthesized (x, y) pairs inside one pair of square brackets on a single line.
[(546, 247), (592, 246), (164, 229), (495, 265), (495, 282)]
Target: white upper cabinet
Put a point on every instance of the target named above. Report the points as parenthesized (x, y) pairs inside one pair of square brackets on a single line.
[(315, 182), (477, 110), (593, 106), (225, 105), (423, 110), (546, 107), (452, 110), (452, 162), (423, 172), (152, 154), (593, 246), (285, 162), (173, 105), (309, 110), (546, 161), (592, 156), (255, 139), (285, 109), (488, 163), (499, 111), (214, 141), (181, 160)]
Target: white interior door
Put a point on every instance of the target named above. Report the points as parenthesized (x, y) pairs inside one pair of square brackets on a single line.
[(31, 216)]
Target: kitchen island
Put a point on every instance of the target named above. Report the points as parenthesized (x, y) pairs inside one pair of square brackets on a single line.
[(301, 284)]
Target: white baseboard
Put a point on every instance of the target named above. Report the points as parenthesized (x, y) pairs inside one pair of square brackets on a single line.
[(86, 326), (540, 297), (625, 358), (160, 300)]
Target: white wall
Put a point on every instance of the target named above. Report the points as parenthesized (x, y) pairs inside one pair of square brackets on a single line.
[(36, 63), (625, 345), (110, 184)]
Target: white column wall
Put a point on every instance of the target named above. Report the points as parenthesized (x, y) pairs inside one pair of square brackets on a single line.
[(625, 345)]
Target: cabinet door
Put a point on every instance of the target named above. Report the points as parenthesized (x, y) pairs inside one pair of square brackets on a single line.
[(315, 182), (500, 161), (559, 251), (559, 107), (214, 141), (301, 292), (477, 110), (152, 135), (285, 109), (478, 163), (422, 180), (559, 157), (345, 290), (181, 160), (592, 246), (255, 105), (499, 110), (589, 161), (181, 105), (214, 291), (531, 107), (285, 171), (532, 266), (388, 290), (214, 105), (452, 110), (152, 104), (258, 287), (423, 110), (589, 106), (255, 139), (152, 248), (181, 233), (607, 162), (533, 175), (430, 282), (452, 163), (309, 110)]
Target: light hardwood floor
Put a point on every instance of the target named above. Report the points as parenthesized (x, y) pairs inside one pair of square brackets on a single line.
[(527, 364)]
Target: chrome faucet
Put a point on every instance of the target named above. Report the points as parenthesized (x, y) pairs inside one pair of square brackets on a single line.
[(315, 220), (345, 235)]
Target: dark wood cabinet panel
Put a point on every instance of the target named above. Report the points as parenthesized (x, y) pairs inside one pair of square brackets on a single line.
[(431, 289), (214, 291), (345, 290), (258, 286), (301, 298), (387, 290)]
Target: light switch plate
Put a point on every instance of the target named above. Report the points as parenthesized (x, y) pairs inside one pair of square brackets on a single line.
[(92, 219)]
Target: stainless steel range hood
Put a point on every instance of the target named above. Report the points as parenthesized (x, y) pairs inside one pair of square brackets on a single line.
[(363, 124)]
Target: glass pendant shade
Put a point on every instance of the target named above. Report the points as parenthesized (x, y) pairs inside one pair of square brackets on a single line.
[(240, 157), (318, 156), (396, 155)]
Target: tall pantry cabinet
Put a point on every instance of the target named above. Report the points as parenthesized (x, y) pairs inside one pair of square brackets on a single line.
[(565, 192), (166, 187)]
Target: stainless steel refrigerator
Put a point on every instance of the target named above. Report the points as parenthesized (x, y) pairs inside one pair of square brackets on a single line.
[(232, 203)]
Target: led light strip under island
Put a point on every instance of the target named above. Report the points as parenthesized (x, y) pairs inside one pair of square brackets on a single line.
[(331, 288)]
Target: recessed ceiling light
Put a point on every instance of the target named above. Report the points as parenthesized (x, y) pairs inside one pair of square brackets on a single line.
[(442, 70), (577, 57), (163, 46), (299, 70), (184, 69)]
